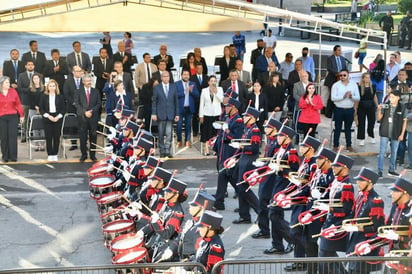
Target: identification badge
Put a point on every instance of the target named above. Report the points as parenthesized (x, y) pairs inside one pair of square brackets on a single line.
[(390, 119)]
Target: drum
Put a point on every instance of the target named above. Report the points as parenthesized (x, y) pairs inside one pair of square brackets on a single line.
[(125, 242), (101, 184), (97, 170), (114, 229), (110, 201), (113, 215), (131, 256)]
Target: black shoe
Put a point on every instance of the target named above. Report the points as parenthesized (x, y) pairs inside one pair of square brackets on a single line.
[(226, 194), (83, 158), (93, 158), (242, 221), (295, 266), (23, 140), (170, 156), (260, 235), (236, 210), (73, 148), (273, 250), (289, 248), (235, 196)]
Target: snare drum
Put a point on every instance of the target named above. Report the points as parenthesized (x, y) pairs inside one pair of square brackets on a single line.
[(101, 184), (114, 229), (110, 201), (125, 242), (98, 170), (131, 256), (113, 215)]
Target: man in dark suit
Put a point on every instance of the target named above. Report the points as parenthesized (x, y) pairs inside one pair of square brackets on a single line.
[(237, 86), (253, 57), (122, 56), (79, 58), (187, 94), (102, 67), (88, 103), (23, 88), (165, 57), (201, 81), (162, 67), (56, 68), (125, 77), (38, 58), (165, 110), (262, 62), (13, 67)]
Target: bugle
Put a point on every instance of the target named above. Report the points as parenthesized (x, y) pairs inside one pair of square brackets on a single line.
[(401, 266), (231, 162), (255, 176), (366, 247), (295, 178), (359, 222), (340, 230), (286, 202), (241, 142), (330, 232), (329, 202), (308, 216), (211, 142), (401, 230)]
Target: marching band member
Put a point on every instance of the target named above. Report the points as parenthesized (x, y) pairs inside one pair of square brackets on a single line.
[(266, 187), (249, 153), (211, 250), (320, 181), (115, 136), (189, 238), (234, 130), (370, 208), (285, 153), (341, 189), (307, 149)]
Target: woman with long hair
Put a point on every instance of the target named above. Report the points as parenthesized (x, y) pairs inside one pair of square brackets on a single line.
[(378, 75), (366, 108), (258, 100), (226, 64), (375, 62), (128, 42), (10, 111), (36, 89), (275, 95), (310, 104), (211, 99), (190, 63), (52, 110)]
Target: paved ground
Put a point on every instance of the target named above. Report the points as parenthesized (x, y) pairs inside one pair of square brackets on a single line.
[(47, 216)]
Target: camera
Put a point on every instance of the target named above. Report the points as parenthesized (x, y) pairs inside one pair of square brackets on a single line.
[(385, 106), (113, 77)]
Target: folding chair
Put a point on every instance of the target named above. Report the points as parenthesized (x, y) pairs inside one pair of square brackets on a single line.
[(69, 131), (35, 134), (216, 65)]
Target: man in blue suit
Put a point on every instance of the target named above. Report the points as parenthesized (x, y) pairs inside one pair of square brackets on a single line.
[(165, 110), (262, 62), (187, 93)]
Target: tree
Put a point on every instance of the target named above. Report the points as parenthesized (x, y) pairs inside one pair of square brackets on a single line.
[(405, 5)]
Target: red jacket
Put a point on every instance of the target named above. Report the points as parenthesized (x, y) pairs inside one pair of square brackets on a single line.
[(310, 113), (10, 104)]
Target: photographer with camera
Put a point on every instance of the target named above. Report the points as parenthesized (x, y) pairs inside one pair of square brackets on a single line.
[(392, 117)]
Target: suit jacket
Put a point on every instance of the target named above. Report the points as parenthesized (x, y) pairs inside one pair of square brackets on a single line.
[(140, 73), (263, 105), (224, 68), (128, 83), (200, 86), (332, 68), (8, 70), (126, 65), (204, 65), (113, 99), (39, 63), (193, 96), (298, 91), (59, 75), (294, 78), (244, 76), (166, 108), (169, 64), (262, 63), (99, 69), (23, 87), (69, 93), (253, 56), (242, 91), (80, 102), (71, 61), (44, 104), (157, 76)]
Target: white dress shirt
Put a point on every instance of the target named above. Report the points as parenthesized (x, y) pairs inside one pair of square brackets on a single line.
[(207, 107), (338, 92)]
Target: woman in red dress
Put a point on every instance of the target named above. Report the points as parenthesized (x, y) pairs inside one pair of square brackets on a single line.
[(310, 104)]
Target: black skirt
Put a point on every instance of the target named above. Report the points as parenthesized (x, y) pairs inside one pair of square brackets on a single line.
[(207, 130)]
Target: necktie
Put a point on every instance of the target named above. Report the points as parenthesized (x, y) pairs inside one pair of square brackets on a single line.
[(338, 63), (55, 63), (200, 79), (30, 75), (121, 54), (79, 61), (104, 64), (166, 90), (34, 56), (88, 96), (77, 83), (148, 72), (15, 71), (234, 86)]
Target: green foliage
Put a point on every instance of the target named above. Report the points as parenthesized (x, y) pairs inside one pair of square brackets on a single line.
[(405, 5), (367, 17)]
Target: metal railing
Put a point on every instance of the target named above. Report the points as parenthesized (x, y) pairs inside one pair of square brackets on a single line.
[(132, 268), (312, 265)]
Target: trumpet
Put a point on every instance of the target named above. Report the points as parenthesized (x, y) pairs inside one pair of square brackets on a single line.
[(266, 159), (286, 201), (242, 142), (329, 202), (296, 179), (340, 230), (366, 247), (401, 230), (402, 265), (230, 162), (359, 222), (308, 216), (256, 176)]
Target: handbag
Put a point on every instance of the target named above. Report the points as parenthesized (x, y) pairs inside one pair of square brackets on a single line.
[(357, 54)]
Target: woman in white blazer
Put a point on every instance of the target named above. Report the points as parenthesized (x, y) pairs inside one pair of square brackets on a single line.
[(209, 111)]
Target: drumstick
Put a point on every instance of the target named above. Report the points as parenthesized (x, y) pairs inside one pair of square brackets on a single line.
[(96, 149), (121, 170), (102, 133), (96, 145)]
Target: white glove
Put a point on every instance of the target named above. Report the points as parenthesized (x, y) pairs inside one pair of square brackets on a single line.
[(225, 126), (322, 207), (124, 164), (140, 234), (111, 136), (109, 168), (126, 175), (316, 193), (273, 166), (350, 228), (306, 218), (258, 163), (136, 205), (114, 156), (235, 145), (167, 254), (108, 149), (217, 125), (155, 217), (127, 193), (112, 130), (363, 249), (391, 235), (117, 183)]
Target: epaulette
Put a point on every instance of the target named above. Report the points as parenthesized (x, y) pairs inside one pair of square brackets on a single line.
[(293, 150), (256, 129), (216, 248), (347, 186), (239, 120)]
